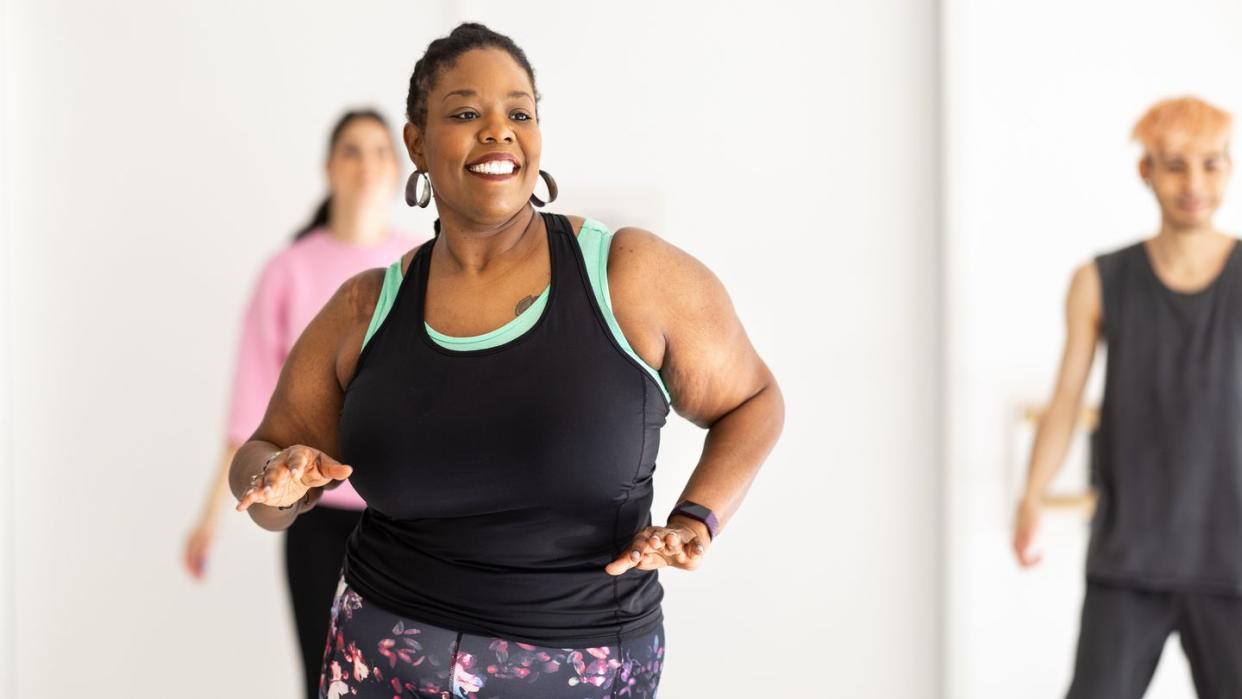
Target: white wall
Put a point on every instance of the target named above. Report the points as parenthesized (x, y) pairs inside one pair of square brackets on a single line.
[(7, 538), (1040, 98), (163, 150)]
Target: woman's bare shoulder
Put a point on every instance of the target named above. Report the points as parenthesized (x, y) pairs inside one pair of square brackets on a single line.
[(357, 297)]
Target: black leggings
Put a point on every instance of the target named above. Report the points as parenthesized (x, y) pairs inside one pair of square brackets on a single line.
[(314, 549)]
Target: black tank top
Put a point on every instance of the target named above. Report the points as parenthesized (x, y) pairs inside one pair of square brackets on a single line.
[(1167, 457), (500, 482)]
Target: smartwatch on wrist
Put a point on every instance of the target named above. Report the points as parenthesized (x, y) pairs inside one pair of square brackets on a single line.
[(699, 513)]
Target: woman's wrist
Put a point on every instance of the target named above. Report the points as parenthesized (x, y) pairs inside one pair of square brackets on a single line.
[(313, 496), (273, 518), (209, 516), (208, 519), (247, 463), (304, 503), (700, 513), (681, 521)]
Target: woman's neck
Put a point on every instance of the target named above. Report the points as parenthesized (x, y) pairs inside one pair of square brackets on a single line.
[(472, 248), (357, 225)]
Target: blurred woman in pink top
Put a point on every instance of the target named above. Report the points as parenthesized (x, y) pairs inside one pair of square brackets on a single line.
[(349, 233)]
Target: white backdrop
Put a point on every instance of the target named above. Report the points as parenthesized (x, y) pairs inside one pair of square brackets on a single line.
[(157, 152), (7, 535), (1040, 99)]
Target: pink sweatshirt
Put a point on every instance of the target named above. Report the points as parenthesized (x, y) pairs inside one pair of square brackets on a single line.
[(294, 285)]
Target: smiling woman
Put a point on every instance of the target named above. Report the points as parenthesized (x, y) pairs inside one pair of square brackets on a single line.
[(498, 394)]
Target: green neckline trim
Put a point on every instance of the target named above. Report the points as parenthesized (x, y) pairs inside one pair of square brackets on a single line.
[(594, 240), (509, 331)]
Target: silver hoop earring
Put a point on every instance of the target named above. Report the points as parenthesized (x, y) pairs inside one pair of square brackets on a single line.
[(413, 195), (552, 191)]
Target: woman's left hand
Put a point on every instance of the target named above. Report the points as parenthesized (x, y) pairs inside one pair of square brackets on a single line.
[(681, 544)]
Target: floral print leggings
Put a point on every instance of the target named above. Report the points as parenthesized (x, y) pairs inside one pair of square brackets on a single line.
[(374, 653)]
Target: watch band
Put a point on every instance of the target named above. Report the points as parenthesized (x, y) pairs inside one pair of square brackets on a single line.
[(695, 511)]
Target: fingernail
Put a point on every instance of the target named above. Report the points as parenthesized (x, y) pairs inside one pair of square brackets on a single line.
[(636, 555)]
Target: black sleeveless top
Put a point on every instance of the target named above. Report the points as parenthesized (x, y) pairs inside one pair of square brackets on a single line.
[(1167, 458), (500, 482)]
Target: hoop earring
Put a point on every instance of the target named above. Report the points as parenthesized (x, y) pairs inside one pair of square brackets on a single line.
[(413, 196), (552, 190)]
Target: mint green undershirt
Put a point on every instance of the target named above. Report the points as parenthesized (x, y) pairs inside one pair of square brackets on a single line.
[(594, 240)]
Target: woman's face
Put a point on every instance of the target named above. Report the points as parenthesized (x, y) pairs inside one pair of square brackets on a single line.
[(481, 143), (362, 167)]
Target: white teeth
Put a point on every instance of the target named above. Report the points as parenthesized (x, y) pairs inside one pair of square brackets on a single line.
[(494, 167)]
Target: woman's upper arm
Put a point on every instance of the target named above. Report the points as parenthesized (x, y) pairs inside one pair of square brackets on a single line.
[(680, 320), (306, 405)]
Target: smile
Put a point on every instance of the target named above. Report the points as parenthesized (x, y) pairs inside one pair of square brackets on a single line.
[(494, 167)]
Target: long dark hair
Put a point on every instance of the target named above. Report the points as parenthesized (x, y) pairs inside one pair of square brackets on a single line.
[(324, 212)]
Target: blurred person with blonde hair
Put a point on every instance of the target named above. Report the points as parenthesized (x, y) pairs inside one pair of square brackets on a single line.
[(1166, 537), (349, 232)]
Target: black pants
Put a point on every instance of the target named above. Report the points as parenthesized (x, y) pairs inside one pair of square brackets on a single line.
[(314, 549), (1124, 630)]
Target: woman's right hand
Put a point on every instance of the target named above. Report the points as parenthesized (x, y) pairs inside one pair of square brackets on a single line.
[(290, 475), (197, 546)]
